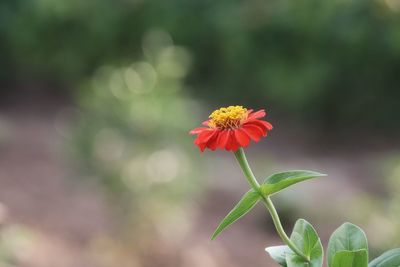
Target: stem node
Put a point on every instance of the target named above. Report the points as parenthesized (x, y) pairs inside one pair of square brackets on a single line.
[(248, 173)]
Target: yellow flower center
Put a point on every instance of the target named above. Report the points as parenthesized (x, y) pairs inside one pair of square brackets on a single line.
[(229, 117)]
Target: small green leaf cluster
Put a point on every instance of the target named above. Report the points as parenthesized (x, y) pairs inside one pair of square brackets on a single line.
[(347, 247), (306, 239), (271, 185)]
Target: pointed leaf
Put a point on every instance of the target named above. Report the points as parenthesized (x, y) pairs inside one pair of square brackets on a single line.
[(248, 201), (390, 258), (278, 181), (306, 239), (347, 258), (347, 237), (278, 254)]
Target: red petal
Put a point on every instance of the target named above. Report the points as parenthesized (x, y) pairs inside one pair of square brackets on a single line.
[(257, 124), (202, 147), (256, 115), (267, 125), (198, 130), (235, 145), (223, 138), (230, 141), (213, 142), (205, 136), (241, 137), (205, 123), (197, 141), (253, 131)]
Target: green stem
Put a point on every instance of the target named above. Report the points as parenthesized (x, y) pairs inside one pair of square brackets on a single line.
[(278, 225), (248, 173)]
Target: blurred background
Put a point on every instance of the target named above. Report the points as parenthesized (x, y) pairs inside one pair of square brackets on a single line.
[(97, 97)]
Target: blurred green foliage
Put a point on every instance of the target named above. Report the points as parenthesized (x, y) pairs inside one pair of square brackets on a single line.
[(381, 212), (133, 139), (327, 61)]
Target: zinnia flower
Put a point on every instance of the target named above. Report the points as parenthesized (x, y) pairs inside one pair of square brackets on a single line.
[(230, 128)]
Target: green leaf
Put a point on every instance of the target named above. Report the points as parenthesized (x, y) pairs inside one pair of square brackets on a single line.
[(306, 239), (347, 258), (278, 254), (390, 258), (278, 181), (248, 201), (347, 237)]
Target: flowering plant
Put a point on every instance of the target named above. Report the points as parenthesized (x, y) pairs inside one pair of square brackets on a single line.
[(233, 128)]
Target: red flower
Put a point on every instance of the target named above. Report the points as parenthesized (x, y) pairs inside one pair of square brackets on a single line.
[(230, 128)]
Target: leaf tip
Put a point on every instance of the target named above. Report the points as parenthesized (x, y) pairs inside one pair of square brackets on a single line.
[(319, 174), (215, 234)]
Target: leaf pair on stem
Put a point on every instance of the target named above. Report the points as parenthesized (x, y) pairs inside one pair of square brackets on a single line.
[(271, 185), (304, 245)]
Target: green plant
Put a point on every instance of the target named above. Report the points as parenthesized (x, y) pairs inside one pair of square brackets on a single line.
[(233, 128)]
